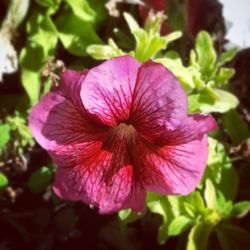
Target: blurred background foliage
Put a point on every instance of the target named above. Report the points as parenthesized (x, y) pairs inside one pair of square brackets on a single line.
[(39, 38)]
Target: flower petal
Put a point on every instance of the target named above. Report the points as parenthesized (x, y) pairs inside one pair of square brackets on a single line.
[(102, 180), (159, 102), (171, 169), (85, 184), (107, 89), (192, 127), (57, 124), (70, 85)]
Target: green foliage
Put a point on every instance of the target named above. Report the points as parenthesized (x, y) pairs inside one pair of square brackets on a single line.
[(3, 181), (149, 41), (236, 127), (40, 179), (240, 209), (5, 135), (74, 27), (220, 170), (75, 34), (41, 45), (23, 137), (102, 52), (204, 76), (198, 237)]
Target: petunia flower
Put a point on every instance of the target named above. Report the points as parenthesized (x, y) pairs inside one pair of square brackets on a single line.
[(119, 130)]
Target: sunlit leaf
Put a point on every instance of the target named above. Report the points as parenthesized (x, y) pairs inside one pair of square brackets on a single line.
[(198, 237), (179, 225), (227, 56), (241, 208), (75, 34), (205, 52)]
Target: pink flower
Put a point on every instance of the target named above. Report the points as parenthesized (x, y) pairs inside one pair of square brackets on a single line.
[(119, 130)]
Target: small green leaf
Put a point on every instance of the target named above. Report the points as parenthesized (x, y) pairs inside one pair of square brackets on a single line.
[(132, 24), (223, 104), (103, 52), (223, 76), (178, 225), (40, 179), (171, 37), (198, 237), (4, 135), (193, 103), (195, 199), (3, 181), (210, 195), (206, 53), (227, 56), (224, 207), (240, 209), (128, 216), (148, 44)]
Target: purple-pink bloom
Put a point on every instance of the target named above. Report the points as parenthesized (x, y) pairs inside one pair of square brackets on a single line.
[(119, 130)]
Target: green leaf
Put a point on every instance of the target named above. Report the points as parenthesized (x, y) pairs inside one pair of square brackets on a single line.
[(195, 199), (221, 171), (41, 45), (128, 216), (3, 181), (42, 32), (223, 76), (206, 53), (240, 209), (227, 56), (210, 195), (148, 44), (160, 205), (178, 225), (224, 207), (223, 104), (172, 61), (132, 24), (31, 80), (82, 10), (52, 5), (4, 135), (193, 103), (40, 179), (235, 126), (198, 237), (75, 34), (103, 52), (18, 123)]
